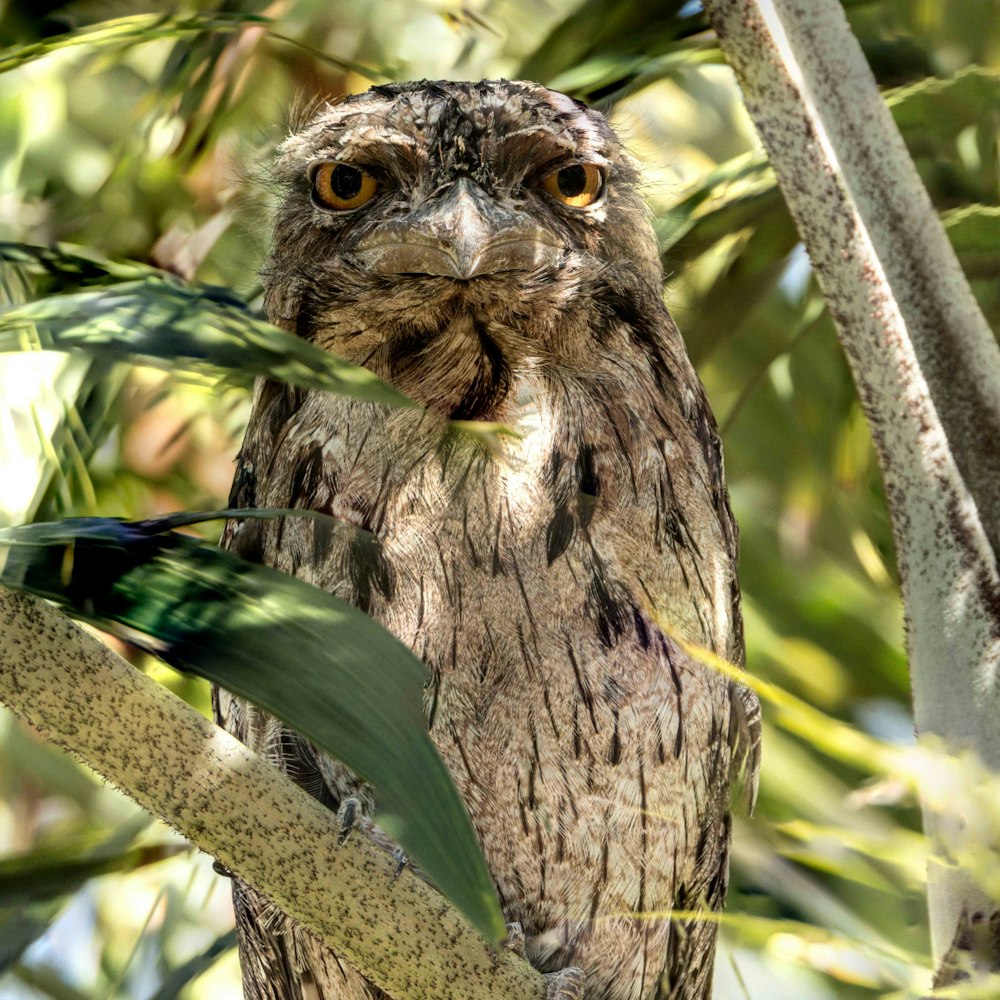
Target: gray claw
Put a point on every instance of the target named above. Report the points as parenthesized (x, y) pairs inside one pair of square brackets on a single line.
[(401, 860), (515, 938), (347, 816), (566, 984)]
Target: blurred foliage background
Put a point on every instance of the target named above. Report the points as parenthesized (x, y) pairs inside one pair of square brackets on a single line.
[(137, 131)]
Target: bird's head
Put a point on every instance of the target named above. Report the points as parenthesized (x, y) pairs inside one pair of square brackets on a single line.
[(417, 215)]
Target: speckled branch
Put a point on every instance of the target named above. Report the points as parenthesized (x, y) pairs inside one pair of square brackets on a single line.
[(401, 934), (925, 362)]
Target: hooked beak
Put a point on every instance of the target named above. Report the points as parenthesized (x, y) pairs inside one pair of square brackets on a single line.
[(463, 235)]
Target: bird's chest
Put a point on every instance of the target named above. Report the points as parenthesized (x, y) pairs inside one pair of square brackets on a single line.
[(553, 697), (447, 546), (528, 578)]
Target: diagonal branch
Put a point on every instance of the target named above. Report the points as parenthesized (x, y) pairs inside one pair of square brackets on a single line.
[(400, 933), (925, 362)]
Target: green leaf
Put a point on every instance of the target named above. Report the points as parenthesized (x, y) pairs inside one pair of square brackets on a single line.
[(610, 33), (325, 668), (737, 193), (615, 76), (743, 191), (60, 868), (203, 328), (138, 29), (33, 885), (19, 929), (178, 978), (124, 31), (70, 264), (934, 109), (87, 419), (974, 232)]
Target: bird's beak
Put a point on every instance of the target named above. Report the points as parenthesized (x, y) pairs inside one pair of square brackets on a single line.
[(461, 235)]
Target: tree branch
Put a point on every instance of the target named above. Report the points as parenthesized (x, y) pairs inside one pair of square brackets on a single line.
[(925, 362), (401, 933)]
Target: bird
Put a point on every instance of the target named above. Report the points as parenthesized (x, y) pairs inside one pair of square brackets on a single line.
[(485, 248)]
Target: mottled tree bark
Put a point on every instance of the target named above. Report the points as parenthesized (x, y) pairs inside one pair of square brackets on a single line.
[(229, 802)]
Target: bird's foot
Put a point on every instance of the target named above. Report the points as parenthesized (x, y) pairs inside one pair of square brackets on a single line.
[(347, 817), (515, 938), (399, 856), (350, 817), (566, 984)]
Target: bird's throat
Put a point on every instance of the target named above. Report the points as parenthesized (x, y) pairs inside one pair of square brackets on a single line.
[(462, 372)]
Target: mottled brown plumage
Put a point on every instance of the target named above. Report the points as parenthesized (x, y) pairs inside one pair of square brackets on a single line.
[(594, 756)]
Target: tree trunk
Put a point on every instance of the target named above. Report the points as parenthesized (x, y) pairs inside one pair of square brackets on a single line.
[(927, 368)]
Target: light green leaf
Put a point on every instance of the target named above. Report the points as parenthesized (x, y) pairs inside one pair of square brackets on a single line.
[(616, 35), (203, 328), (60, 868), (139, 29), (123, 31), (974, 232), (179, 978), (68, 263), (936, 109), (737, 193)]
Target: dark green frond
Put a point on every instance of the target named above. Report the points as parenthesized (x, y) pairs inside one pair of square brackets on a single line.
[(317, 663)]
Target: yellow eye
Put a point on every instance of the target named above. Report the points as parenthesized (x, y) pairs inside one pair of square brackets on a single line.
[(577, 186), (339, 186)]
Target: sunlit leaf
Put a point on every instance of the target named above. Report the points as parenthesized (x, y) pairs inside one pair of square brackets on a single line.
[(139, 28), (903, 849), (744, 191), (165, 322), (620, 34), (827, 734), (67, 264), (974, 232), (736, 193), (936, 109)]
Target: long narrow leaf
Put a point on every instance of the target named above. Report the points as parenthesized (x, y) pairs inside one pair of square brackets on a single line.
[(20, 928), (601, 28), (67, 263), (138, 29), (172, 325), (743, 191), (974, 232), (51, 874), (123, 31), (325, 668), (179, 978)]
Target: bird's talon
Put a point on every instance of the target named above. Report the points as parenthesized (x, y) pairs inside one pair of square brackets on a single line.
[(347, 816), (566, 984), (399, 856), (515, 938), (220, 869)]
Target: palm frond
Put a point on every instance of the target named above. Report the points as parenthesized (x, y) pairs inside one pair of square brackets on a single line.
[(322, 666)]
